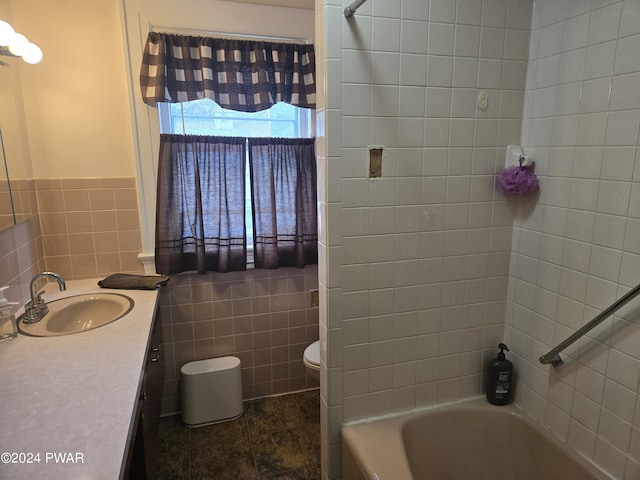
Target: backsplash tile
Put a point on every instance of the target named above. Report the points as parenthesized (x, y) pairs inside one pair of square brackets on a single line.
[(90, 226), (21, 258)]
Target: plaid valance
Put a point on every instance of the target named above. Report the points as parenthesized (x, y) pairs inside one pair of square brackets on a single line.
[(243, 75)]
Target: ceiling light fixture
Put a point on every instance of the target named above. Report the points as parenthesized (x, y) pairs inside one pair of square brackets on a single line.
[(15, 44)]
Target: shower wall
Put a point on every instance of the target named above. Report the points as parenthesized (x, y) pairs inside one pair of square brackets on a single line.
[(576, 247), (414, 265)]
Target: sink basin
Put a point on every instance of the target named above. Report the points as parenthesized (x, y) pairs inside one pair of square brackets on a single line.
[(78, 313)]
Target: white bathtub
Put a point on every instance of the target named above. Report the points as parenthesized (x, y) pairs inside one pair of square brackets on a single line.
[(470, 440)]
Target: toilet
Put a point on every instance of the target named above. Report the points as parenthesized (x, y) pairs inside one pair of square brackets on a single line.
[(311, 359)]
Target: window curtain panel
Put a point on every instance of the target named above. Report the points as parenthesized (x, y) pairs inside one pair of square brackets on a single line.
[(200, 207), (283, 191), (243, 75)]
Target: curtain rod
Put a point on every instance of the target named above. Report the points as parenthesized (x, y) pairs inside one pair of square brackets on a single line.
[(351, 9), (170, 29)]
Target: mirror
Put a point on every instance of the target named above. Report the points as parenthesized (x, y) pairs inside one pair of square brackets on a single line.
[(7, 217), (17, 192)]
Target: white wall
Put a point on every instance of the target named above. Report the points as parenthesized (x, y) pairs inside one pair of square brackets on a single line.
[(414, 266), (577, 248), (75, 100)]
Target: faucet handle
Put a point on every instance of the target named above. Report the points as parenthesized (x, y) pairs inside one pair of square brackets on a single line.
[(39, 305), (31, 312), (30, 306)]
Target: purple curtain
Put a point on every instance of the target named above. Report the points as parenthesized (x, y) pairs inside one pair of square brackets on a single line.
[(283, 191), (200, 222)]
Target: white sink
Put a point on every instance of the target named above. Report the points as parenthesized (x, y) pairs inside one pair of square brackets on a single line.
[(78, 313)]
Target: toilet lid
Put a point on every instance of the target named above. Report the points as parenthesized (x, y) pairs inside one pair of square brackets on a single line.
[(312, 353)]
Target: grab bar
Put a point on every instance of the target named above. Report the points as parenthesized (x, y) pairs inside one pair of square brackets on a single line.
[(553, 357)]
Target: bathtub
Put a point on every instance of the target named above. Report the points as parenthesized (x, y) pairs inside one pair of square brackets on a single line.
[(470, 440)]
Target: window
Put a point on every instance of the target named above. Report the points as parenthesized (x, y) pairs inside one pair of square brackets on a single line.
[(205, 117)]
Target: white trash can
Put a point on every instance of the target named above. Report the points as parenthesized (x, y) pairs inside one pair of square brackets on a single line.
[(211, 391)]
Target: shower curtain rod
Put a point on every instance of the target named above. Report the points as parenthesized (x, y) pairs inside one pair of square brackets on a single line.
[(351, 9), (206, 33)]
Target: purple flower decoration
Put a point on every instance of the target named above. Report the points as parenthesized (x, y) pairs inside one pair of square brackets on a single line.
[(516, 180)]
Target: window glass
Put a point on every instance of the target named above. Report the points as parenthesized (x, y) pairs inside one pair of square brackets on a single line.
[(205, 117)]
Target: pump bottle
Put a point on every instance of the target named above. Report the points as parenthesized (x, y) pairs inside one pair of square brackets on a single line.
[(499, 378), (8, 327)]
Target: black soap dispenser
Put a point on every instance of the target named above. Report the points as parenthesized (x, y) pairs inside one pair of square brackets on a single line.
[(500, 378)]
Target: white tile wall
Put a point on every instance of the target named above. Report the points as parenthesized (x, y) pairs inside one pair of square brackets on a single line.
[(586, 142), (415, 279), (417, 263)]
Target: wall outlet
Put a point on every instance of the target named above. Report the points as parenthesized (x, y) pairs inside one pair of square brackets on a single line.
[(315, 298)]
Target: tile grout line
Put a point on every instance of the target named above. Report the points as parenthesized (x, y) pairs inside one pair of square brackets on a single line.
[(253, 451)]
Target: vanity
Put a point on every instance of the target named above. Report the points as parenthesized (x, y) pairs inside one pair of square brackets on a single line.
[(82, 405)]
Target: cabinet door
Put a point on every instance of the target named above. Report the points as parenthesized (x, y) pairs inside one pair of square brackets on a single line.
[(152, 397), (135, 468)]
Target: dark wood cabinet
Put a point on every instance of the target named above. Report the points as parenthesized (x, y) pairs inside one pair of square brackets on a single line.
[(141, 456), (151, 399)]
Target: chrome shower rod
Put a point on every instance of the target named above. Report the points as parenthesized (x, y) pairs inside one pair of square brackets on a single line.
[(351, 9)]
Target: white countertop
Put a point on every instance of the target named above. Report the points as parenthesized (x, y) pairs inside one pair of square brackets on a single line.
[(73, 393)]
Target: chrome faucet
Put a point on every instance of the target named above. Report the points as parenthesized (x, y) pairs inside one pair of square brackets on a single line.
[(35, 308)]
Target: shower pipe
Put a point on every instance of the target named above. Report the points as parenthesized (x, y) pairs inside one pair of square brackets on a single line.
[(351, 9), (553, 357)]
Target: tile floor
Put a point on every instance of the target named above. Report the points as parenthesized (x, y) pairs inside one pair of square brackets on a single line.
[(276, 438)]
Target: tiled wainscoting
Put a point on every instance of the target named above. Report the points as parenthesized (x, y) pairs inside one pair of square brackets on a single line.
[(21, 257), (96, 219), (6, 211), (263, 317), (23, 195), (89, 228), (17, 202)]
